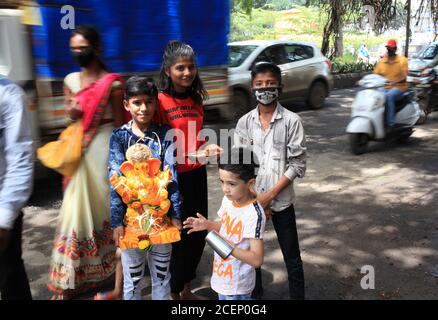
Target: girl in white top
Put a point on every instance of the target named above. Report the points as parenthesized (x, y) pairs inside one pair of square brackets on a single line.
[(242, 224)]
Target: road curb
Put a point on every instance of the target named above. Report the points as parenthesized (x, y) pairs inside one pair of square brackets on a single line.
[(347, 80)]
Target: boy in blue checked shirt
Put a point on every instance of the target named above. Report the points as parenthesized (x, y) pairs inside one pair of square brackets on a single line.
[(141, 99)]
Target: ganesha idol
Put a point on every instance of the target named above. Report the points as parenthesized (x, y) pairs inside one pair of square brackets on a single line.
[(143, 188)]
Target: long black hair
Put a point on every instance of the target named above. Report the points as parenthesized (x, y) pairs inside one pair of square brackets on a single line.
[(92, 36), (175, 50)]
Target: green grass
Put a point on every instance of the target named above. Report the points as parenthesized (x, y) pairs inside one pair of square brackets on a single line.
[(347, 58), (260, 25)]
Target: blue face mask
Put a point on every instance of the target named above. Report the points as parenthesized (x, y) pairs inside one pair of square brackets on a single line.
[(267, 95)]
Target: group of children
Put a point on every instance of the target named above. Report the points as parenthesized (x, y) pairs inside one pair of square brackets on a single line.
[(246, 197)]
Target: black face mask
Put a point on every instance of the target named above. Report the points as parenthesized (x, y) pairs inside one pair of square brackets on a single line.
[(391, 53), (84, 57)]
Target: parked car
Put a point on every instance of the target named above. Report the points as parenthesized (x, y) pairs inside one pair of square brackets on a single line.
[(305, 71), (423, 76), (424, 57)]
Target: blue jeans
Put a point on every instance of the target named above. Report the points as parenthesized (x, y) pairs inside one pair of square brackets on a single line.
[(235, 297), (133, 262), (391, 96)]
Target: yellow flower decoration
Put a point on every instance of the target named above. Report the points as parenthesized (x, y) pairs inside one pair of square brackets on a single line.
[(143, 244)]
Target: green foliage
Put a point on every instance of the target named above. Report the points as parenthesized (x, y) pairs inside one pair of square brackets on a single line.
[(242, 6), (348, 64), (308, 21), (260, 25), (260, 3), (340, 66), (307, 25), (347, 58), (278, 5)]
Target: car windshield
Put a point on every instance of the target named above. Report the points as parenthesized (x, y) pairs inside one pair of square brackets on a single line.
[(238, 54), (428, 53)]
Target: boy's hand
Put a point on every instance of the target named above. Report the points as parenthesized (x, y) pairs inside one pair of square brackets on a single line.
[(268, 214), (264, 199), (209, 151), (176, 223), (214, 149), (196, 224), (117, 234)]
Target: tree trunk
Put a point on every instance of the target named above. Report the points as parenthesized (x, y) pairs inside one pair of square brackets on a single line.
[(408, 28), (339, 42), (325, 45)]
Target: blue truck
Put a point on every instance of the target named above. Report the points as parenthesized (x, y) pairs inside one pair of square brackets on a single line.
[(34, 46)]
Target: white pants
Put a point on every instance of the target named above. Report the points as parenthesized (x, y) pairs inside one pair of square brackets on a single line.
[(133, 262)]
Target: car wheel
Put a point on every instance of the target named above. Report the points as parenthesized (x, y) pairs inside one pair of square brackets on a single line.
[(358, 143), (316, 96), (240, 104)]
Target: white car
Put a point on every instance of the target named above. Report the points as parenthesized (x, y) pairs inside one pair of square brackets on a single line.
[(305, 71)]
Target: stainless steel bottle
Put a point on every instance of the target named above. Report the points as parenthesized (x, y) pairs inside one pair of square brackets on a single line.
[(219, 244)]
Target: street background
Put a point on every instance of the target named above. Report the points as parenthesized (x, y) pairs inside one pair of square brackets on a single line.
[(377, 209)]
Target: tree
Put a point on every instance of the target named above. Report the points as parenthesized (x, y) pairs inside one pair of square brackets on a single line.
[(340, 11), (431, 5), (390, 13), (337, 11), (242, 5), (434, 12)]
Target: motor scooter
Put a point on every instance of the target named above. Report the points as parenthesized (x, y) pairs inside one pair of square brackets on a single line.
[(368, 115), (424, 81)]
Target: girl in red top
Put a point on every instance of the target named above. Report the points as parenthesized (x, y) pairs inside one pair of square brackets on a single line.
[(181, 107)]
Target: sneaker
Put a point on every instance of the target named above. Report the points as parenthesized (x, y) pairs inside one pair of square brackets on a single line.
[(391, 130), (396, 127)]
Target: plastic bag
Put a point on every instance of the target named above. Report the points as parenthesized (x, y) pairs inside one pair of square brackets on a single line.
[(64, 154)]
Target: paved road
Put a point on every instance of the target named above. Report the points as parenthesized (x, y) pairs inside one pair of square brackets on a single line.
[(378, 209)]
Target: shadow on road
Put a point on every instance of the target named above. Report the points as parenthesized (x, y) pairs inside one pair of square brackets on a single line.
[(46, 191)]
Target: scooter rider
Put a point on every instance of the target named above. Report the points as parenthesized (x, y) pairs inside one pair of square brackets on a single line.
[(393, 67)]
